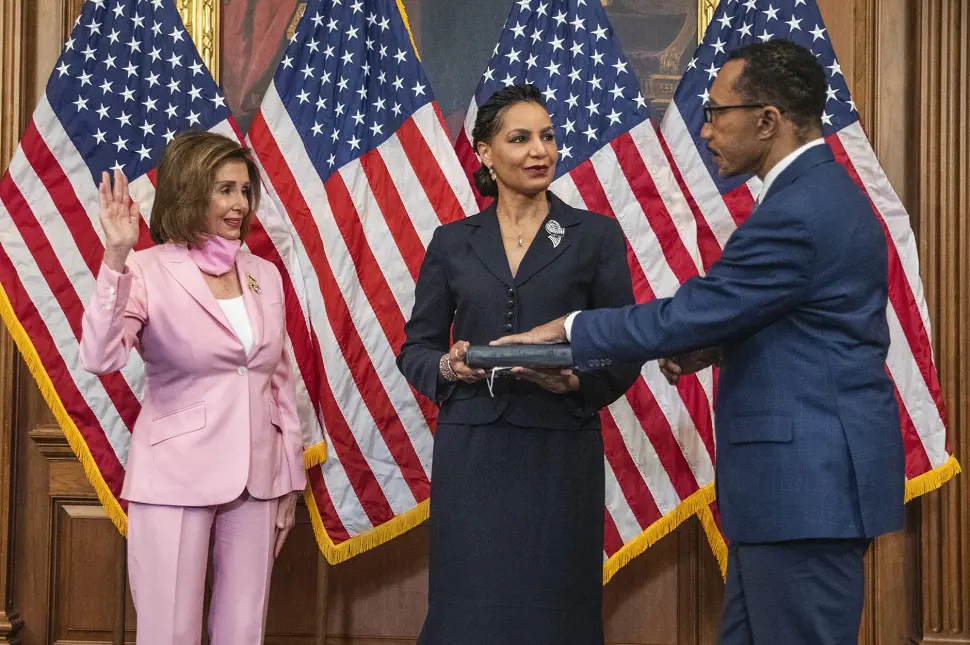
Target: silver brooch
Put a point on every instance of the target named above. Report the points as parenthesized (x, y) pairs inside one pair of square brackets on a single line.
[(555, 231)]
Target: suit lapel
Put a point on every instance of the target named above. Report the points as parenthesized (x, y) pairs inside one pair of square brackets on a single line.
[(486, 242), (554, 237), (184, 270), (247, 267)]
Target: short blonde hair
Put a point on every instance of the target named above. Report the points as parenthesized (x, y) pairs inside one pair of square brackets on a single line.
[(183, 186)]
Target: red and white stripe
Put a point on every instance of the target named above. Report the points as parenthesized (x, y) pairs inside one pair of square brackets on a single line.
[(658, 440), (52, 245), (359, 239)]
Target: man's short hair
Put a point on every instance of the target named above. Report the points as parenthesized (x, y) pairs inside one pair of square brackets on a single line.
[(784, 75)]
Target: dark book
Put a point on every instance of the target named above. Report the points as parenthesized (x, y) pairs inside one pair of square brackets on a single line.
[(532, 356)]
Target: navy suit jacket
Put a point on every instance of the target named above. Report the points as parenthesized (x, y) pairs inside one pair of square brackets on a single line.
[(466, 291), (808, 436)]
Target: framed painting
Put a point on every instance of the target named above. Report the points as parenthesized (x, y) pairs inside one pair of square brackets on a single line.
[(242, 42)]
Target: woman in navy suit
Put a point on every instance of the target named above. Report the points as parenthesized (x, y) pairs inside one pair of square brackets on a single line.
[(518, 484)]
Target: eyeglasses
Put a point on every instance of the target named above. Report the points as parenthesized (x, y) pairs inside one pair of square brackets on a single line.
[(711, 110)]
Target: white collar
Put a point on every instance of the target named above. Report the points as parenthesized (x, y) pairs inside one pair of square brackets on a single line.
[(782, 165)]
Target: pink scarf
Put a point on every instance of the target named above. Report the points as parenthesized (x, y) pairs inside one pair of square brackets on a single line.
[(216, 255)]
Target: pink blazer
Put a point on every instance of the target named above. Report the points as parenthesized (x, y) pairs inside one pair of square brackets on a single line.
[(214, 419)]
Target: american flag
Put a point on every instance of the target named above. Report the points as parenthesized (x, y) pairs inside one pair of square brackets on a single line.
[(352, 149), (719, 206), (126, 82), (658, 440)]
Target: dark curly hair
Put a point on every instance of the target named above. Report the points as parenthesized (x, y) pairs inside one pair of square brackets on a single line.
[(784, 75), (489, 122)]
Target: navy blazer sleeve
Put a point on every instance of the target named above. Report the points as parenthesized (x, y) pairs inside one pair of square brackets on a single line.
[(612, 287), (763, 273), (428, 331)]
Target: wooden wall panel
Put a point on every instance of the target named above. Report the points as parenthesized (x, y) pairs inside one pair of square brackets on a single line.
[(293, 588), (12, 119), (382, 595), (944, 236), (10, 621), (62, 565), (12, 30), (87, 575), (641, 604)]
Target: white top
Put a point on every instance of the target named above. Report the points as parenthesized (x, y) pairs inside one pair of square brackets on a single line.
[(235, 310), (780, 167), (568, 324)]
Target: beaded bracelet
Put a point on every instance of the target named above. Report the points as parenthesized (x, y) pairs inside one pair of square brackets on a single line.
[(444, 367)]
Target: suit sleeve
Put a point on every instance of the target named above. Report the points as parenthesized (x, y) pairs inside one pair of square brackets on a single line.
[(764, 272), (284, 395), (612, 287), (428, 332), (114, 318)]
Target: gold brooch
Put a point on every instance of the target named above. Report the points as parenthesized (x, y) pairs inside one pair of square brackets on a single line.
[(251, 282)]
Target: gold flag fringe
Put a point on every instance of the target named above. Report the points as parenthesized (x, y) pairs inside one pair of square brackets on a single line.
[(697, 504), (687, 508), (314, 455), (714, 538), (930, 481), (111, 505), (337, 553)]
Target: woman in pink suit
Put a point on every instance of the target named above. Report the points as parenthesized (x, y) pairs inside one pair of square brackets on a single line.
[(216, 452)]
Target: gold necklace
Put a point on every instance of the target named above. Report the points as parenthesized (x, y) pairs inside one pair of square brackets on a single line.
[(519, 233)]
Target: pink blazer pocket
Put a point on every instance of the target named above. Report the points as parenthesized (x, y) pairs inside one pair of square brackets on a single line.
[(275, 417), (178, 423)]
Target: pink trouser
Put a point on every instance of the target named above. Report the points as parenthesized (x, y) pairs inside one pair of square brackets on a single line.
[(168, 549)]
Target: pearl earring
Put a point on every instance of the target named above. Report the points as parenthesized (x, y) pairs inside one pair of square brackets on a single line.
[(491, 172)]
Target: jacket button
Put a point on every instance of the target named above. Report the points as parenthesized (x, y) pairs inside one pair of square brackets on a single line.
[(509, 315), (511, 293), (510, 304), (242, 370), (508, 327)]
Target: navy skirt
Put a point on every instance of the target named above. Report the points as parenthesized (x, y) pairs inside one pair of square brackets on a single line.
[(516, 537)]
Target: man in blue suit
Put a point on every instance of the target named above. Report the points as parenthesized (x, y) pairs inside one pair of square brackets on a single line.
[(810, 463)]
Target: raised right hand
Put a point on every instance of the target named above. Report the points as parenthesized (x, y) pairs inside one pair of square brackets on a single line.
[(119, 219)]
